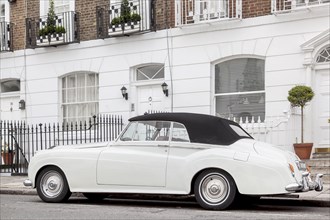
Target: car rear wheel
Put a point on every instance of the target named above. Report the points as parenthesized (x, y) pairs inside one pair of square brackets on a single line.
[(52, 185), (215, 189), (96, 196)]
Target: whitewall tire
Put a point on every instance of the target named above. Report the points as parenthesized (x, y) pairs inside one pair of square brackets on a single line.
[(215, 189), (52, 185)]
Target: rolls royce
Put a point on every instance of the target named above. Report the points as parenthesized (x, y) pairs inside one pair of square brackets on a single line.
[(209, 157)]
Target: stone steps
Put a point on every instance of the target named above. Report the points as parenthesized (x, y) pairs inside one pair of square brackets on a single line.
[(321, 156), (320, 163)]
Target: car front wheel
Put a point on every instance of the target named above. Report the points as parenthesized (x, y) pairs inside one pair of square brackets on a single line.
[(52, 185), (215, 189)]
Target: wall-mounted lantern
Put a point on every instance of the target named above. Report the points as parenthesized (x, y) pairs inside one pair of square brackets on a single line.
[(165, 90), (124, 92), (21, 104)]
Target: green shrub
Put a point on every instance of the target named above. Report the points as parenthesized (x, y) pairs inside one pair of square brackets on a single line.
[(60, 30), (116, 21), (136, 17), (43, 32)]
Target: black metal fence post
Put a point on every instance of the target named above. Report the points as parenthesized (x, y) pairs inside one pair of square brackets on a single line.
[(25, 140)]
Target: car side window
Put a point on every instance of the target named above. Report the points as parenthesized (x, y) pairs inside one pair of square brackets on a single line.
[(180, 133), (162, 131), (147, 131), (128, 134)]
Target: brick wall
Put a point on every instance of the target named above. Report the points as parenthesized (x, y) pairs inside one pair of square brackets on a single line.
[(87, 11), (255, 8), (19, 10), (165, 14), (165, 11)]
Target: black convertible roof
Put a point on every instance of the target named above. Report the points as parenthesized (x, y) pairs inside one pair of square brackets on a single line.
[(201, 128)]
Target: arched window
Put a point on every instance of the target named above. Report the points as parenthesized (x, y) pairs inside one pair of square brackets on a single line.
[(150, 72), (12, 85), (324, 55), (240, 88), (80, 92)]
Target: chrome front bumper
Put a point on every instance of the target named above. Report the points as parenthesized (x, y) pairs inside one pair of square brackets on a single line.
[(27, 183), (306, 184)]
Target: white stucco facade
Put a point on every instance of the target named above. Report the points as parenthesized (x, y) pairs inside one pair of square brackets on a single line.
[(288, 43)]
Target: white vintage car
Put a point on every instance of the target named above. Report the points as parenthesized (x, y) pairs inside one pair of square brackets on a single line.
[(172, 153)]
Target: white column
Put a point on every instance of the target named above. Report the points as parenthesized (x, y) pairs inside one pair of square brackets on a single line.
[(308, 111)]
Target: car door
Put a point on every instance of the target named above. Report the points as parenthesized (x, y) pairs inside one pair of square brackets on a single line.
[(138, 158)]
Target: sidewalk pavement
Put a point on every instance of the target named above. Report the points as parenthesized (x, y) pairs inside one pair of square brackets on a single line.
[(14, 185)]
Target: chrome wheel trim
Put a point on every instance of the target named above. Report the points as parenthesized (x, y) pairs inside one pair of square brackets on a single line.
[(214, 189), (51, 184)]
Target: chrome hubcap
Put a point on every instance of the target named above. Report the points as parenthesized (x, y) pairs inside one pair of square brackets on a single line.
[(51, 184), (214, 188)]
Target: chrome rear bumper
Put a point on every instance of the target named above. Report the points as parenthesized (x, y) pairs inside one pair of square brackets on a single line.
[(27, 183), (306, 184)]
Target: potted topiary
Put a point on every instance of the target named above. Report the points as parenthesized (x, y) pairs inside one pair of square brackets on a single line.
[(127, 19), (51, 30), (51, 22), (125, 11), (299, 96), (7, 154)]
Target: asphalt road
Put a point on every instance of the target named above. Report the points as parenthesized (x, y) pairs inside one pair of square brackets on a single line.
[(31, 207)]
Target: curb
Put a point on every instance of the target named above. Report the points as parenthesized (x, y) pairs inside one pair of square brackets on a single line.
[(264, 200), (296, 202), (17, 191)]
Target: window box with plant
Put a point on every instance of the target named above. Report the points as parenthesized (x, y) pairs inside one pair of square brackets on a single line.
[(52, 31), (125, 18)]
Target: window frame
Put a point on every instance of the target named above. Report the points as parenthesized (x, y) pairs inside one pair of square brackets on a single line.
[(6, 16), (10, 80), (44, 6), (319, 54), (137, 69), (213, 84), (85, 103)]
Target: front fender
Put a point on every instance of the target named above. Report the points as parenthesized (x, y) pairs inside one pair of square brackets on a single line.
[(78, 166)]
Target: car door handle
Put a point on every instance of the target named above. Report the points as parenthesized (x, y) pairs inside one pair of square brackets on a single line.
[(162, 145)]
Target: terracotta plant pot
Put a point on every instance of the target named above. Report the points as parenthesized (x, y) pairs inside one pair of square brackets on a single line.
[(7, 158), (303, 150)]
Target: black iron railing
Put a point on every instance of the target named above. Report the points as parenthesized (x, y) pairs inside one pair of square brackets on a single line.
[(125, 18), (6, 34), (63, 30), (19, 141), (282, 6), (204, 11)]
